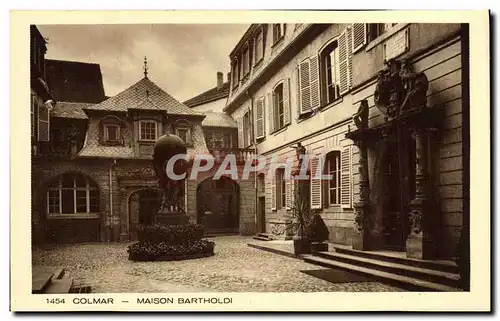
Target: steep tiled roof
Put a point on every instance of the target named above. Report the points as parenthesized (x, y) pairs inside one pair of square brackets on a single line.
[(106, 151), (72, 110), (74, 81), (214, 119), (144, 94), (209, 95)]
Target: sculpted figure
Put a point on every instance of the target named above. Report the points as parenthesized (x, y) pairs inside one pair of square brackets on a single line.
[(361, 116), (415, 86)]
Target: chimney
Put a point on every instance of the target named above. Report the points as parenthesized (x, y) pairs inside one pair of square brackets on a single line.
[(220, 79)]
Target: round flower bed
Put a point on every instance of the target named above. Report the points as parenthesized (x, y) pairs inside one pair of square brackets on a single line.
[(169, 243), (144, 251)]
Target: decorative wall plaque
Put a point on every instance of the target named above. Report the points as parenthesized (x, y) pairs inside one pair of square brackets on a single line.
[(397, 44)]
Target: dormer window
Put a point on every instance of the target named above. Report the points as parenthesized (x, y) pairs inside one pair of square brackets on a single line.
[(111, 130), (183, 129), (185, 134), (147, 130), (111, 133), (278, 32)]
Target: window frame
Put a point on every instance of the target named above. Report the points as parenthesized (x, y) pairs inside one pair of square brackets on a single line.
[(276, 106), (186, 128), (280, 187), (144, 122), (333, 156), (324, 54), (246, 63), (278, 39), (89, 187), (259, 39), (235, 75), (106, 133)]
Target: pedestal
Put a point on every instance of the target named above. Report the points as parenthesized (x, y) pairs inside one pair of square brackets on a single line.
[(365, 237), (421, 243), (171, 218)]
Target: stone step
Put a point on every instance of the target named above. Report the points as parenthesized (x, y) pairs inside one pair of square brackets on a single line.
[(58, 274), (402, 281), (60, 286), (40, 282), (260, 238), (435, 276), (445, 266), (264, 237)]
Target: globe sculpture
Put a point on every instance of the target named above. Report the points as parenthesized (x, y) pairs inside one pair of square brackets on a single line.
[(172, 210)]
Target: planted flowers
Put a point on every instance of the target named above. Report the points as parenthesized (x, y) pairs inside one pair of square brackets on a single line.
[(175, 242)]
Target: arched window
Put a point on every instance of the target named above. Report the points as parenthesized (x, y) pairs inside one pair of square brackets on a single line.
[(72, 193), (112, 131), (183, 129), (330, 67), (333, 185)]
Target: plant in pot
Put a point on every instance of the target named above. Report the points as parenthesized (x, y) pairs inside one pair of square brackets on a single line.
[(317, 233), (301, 212)]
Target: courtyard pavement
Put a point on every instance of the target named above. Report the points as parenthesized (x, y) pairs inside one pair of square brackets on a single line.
[(235, 267)]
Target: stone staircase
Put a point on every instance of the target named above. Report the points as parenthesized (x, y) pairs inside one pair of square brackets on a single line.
[(263, 237), (391, 268), (57, 282)]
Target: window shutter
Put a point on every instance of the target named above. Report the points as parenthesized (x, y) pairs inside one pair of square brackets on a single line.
[(305, 86), (288, 193), (259, 118), (345, 177), (241, 141), (314, 76), (349, 38), (286, 101), (43, 123), (250, 127), (270, 107), (316, 189), (343, 64), (359, 31), (273, 191)]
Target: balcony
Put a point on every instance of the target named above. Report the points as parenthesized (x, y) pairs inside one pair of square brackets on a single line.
[(241, 154)]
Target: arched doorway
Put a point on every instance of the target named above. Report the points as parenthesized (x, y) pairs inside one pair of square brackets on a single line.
[(143, 204), (218, 205)]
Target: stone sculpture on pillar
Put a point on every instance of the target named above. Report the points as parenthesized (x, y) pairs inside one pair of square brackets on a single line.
[(171, 210)]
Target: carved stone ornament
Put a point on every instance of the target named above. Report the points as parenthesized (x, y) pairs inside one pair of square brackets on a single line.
[(415, 217), (278, 229), (360, 118), (399, 89)]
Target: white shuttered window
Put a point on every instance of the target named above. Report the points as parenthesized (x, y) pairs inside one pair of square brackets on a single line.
[(309, 85), (346, 177)]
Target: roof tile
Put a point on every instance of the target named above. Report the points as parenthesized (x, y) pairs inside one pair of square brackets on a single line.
[(144, 94)]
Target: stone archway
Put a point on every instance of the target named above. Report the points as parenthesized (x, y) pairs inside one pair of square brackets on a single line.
[(218, 205), (142, 205)]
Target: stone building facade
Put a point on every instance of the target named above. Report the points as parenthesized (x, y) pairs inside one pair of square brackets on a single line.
[(95, 181), (294, 83)]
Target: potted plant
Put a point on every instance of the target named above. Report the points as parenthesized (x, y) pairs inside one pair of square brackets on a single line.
[(300, 218), (317, 233)]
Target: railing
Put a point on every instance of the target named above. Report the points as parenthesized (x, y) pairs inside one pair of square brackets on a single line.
[(241, 154)]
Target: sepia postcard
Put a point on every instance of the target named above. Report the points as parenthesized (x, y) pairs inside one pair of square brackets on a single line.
[(250, 161)]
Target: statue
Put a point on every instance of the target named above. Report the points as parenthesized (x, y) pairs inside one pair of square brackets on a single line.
[(360, 118), (399, 89), (415, 85), (299, 150), (165, 148)]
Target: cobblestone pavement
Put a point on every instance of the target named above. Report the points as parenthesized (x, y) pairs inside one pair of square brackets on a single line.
[(235, 267)]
